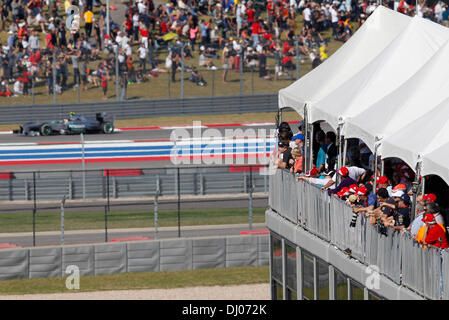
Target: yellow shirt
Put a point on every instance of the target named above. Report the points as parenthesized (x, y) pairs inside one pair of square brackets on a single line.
[(323, 53), (422, 231), (88, 15)]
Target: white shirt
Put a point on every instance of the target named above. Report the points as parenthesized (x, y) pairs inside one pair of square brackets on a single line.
[(135, 20), (321, 182), (18, 87), (128, 49), (334, 15), (416, 224), (354, 173), (307, 14), (142, 52), (141, 7)]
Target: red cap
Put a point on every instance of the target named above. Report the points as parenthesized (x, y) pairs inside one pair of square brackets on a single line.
[(400, 187), (353, 188), (430, 197), (312, 172), (343, 171), (382, 180), (343, 192), (428, 217), (361, 191)]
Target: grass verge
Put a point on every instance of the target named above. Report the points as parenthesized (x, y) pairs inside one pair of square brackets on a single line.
[(141, 280), (51, 221)]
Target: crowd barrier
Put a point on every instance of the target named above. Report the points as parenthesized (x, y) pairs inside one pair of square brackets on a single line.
[(139, 256), (142, 108), (396, 256)]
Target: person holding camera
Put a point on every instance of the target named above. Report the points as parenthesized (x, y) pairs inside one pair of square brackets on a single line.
[(287, 160), (297, 158), (401, 210)]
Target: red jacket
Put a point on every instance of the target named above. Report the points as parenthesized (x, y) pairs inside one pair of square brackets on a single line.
[(434, 235)]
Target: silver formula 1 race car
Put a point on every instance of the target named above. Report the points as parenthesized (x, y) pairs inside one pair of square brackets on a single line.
[(75, 124)]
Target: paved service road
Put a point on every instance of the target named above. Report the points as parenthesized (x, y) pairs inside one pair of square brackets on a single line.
[(98, 236)]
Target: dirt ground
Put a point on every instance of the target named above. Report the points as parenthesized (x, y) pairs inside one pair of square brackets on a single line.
[(241, 292)]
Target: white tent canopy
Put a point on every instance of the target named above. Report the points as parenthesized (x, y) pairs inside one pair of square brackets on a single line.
[(436, 162), (419, 137), (426, 89), (374, 35), (389, 81), (409, 51)]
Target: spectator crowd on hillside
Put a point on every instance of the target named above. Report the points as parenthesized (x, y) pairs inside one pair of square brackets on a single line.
[(40, 46), (387, 203)]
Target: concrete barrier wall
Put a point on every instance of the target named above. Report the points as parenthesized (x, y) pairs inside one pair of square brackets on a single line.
[(139, 256)]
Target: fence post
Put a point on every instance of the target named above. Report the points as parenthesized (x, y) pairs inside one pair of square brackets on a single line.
[(34, 208), (83, 164), (70, 187), (107, 183), (201, 183), (252, 80), (26, 189), (105, 223), (178, 192), (168, 83), (62, 220), (213, 82), (158, 183), (10, 189), (114, 188), (156, 217), (250, 203)]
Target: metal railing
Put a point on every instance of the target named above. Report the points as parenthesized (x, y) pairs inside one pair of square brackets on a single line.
[(398, 257), (122, 183), (142, 108)]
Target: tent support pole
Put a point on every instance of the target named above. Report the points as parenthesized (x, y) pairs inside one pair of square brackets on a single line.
[(279, 118), (423, 181), (311, 147), (375, 170), (306, 128), (382, 165), (345, 147), (339, 147), (415, 188)]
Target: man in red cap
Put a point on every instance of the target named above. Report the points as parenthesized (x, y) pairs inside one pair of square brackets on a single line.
[(356, 173), (430, 197), (346, 181), (434, 235), (343, 193)]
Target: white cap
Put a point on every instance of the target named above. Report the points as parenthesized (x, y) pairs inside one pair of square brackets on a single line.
[(397, 193), (202, 48)]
